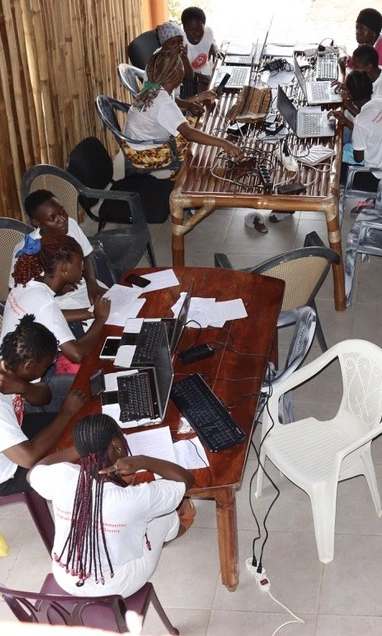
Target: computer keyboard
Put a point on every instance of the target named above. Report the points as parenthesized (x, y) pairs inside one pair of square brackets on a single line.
[(321, 91), (148, 342), (327, 67), (134, 397), (205, 413), (311, 124)]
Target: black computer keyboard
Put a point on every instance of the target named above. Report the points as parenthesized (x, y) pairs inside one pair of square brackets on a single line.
[(134, 397), (148, 342), (206, 414)]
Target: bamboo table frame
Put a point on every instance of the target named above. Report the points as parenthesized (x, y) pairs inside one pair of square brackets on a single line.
[(197, 187), (235, 372)]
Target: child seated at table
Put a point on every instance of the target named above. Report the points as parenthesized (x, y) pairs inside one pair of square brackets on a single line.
[(365, 58), (25, 355), (109, 533), (43, 268), (367, 130), (368, 28), (201, 47), (48, 216), (154, 115)]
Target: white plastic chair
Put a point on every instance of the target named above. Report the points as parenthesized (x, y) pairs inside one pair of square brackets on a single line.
[(316, 455), (128, 75)]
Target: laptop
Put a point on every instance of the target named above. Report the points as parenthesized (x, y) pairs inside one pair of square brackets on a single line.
[(239, 76), (316, 92), (143, 392), (240, 59), (255, 56), (305, 121)]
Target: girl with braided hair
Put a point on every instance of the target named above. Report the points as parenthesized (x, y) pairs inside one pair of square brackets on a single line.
[(25, 355), (155, 115), (44, 266), (109, 533)]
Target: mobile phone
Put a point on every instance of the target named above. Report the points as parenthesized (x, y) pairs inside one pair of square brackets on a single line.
[(97, 382), (140, 281), (109, 397), (110, 348), (220, 88)]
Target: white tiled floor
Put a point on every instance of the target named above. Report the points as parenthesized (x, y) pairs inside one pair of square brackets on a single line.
[(341, 598)]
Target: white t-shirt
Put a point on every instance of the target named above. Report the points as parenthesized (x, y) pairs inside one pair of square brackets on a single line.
[(377, 86), (11, 433), (74, 231), (127, 513), (38, 299), (158, 121), (198, 53), (367, 134)]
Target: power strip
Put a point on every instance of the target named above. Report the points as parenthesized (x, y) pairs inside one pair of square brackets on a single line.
[(262, 581)]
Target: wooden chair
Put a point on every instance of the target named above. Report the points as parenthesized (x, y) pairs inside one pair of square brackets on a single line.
[(54, 606)]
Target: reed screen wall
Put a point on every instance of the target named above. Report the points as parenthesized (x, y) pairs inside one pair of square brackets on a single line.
[(56, 56)]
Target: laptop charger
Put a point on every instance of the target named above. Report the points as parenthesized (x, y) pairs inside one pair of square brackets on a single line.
[(196, 353)]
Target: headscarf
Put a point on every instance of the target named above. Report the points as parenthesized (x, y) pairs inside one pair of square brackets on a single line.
[(370, 18), (168, 30)]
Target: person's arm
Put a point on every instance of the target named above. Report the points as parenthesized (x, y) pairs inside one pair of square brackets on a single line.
[(68, 455), (27, 453), (76, 350), (92, 286), (338, 114), (215, 52), (188, 70), (167, 470), (35, 393), (77, 315), (192, 134)]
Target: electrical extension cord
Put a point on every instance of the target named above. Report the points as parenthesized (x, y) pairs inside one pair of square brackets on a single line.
[(288, 161), (262, 581)]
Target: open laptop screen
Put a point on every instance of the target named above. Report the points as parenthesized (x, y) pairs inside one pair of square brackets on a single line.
[(287, 109)]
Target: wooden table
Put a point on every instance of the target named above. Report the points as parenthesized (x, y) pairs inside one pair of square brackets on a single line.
[(255, 334), (206, 182)]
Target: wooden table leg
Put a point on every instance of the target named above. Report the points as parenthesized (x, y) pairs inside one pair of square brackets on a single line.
[(227, 537), (334, 237)]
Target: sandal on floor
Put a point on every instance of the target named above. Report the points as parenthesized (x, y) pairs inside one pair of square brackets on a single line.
[(259, 225), (368, 203)]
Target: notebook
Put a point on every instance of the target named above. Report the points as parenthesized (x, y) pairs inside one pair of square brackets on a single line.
[(306, 121), (316, 92), (142, 393)]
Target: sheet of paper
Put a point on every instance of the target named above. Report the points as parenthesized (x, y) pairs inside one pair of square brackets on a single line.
[(133, 325), (201, 310), (159, 280), (229, 310), (238, 47), (190, 453), (111, 380), (121, 298), (155, 442), (124, 356)]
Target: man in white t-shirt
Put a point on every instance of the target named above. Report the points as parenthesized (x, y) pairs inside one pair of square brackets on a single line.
[(201, 47), (365, 58), (49, 217)]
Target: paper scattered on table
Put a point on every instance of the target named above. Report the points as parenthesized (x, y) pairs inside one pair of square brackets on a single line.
[(159, 280), (122, 302), (206, 312), (157, 442), (111, 379), (124, 356)]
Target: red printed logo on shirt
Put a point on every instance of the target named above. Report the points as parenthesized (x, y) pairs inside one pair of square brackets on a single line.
[(199, 61), (18, 406)]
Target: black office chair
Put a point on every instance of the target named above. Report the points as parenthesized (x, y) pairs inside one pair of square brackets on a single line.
[(142, 47)]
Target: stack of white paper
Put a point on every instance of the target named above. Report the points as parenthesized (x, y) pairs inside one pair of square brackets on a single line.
[(205, 312)]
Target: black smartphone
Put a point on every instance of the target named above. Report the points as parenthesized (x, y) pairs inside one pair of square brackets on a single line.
[(220, 88), (110, 348), (140, 281), (97, 382), (109, 397)]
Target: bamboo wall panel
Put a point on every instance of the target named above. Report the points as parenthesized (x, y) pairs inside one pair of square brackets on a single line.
[(55, 58)]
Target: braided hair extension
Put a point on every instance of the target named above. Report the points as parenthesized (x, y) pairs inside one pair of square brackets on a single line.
[(92, 436), (30, 340), (161, 68), (55, 248)]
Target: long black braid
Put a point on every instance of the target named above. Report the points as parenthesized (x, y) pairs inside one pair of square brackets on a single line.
[(29, 341), (92, 436)]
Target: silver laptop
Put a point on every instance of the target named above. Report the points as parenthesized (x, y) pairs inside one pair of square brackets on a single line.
[(239, 76), (306, 121), (316, 92), (241, 59)]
